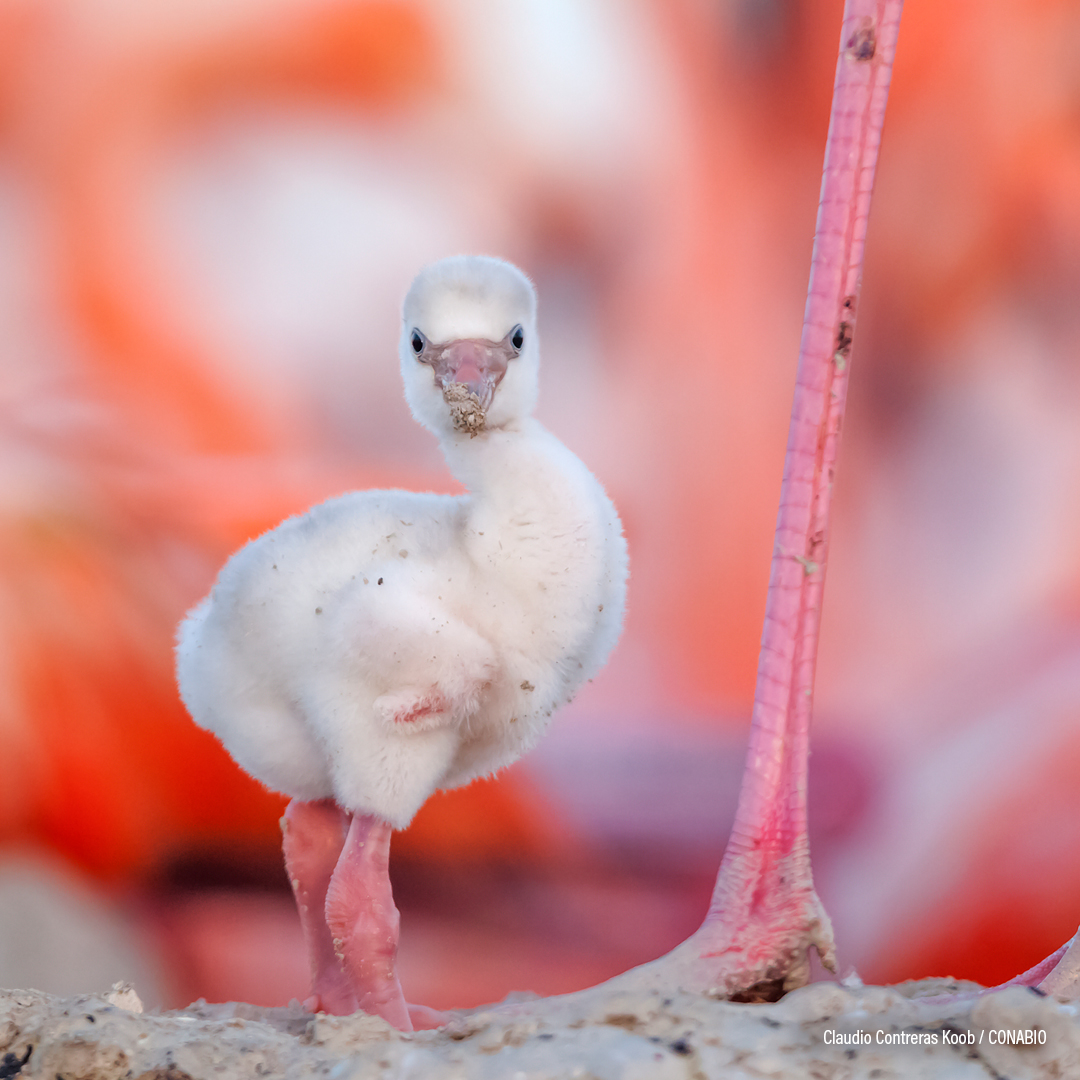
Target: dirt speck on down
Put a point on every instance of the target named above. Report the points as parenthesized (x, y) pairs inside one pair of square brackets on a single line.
[(465, 409), (823, 1030)]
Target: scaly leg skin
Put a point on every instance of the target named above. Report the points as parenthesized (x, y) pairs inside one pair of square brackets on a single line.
[(313, 836), (314, 843), (765, 914), (363, 921)]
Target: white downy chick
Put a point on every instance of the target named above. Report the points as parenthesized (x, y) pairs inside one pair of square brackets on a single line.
[(388, 643)]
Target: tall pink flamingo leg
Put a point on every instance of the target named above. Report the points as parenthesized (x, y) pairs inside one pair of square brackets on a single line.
[(765, 914)]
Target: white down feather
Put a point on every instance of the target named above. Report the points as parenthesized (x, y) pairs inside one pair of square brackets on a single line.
[(497, 604)]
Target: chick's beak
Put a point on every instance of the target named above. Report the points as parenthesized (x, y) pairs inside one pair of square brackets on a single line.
[(476, 364)]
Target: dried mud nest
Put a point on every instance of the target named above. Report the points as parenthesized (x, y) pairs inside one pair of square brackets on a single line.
[(603, 1034)]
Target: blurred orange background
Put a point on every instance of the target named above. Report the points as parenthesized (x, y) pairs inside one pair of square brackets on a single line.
[(209, 212)]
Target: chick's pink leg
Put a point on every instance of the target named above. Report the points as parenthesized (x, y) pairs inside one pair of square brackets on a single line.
[(363, 921), (313, 836)]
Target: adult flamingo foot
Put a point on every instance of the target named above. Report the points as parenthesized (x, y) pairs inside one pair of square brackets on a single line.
[(755, 942)]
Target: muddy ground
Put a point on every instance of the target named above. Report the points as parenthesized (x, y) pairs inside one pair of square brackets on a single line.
[(824, 1031)]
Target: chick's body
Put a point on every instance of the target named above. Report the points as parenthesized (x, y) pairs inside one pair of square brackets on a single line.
[(387, 643)]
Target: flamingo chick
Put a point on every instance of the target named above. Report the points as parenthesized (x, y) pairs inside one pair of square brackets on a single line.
[(387, 643)]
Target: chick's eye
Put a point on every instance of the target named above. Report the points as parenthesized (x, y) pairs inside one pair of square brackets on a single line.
[(517, 337), (417, 342)]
